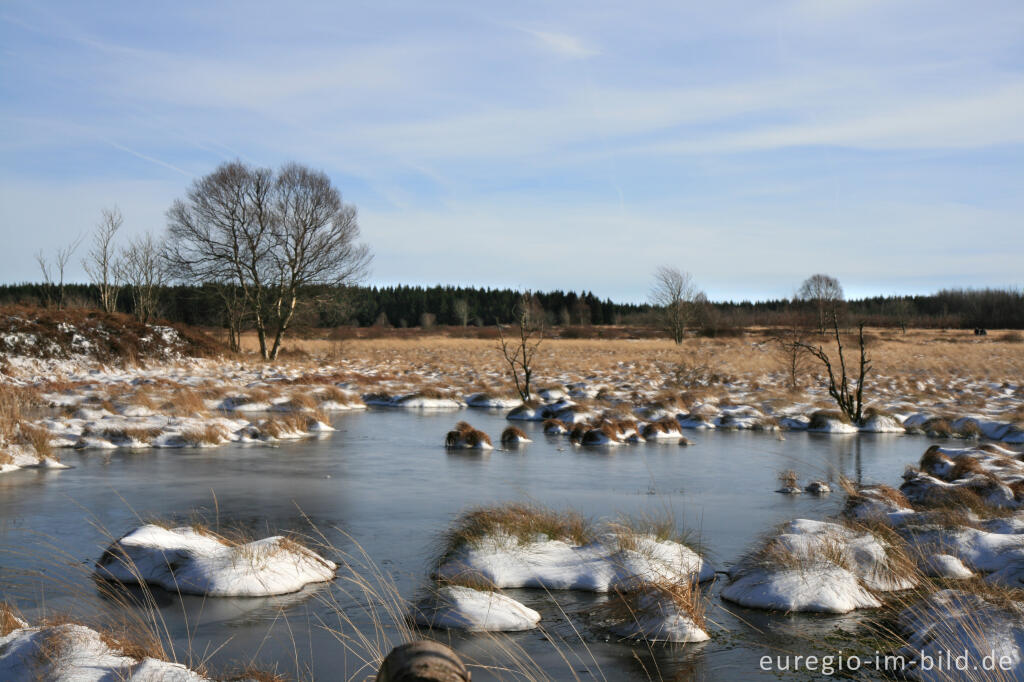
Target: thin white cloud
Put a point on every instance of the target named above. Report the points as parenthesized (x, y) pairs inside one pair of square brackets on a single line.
[(564, 44)]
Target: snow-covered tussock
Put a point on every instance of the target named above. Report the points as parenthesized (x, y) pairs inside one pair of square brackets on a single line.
[(198, 562), (76, 653), (819, 566), (951, 622)]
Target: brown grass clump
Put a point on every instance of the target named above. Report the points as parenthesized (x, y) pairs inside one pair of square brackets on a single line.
[(553, 425), (937, 427), (475, 438), (789, 479), (335, 394), (210, 434), (933, 459), (959, 499), (522, 521), (430, 392), (185, 402), (596, 435), (821, 418), (858, 495), (10, 619), (578, 431), (646, 595), (965, 465), (302, 402), (13, 399), (662, 528), (968, 429), (130, 640), (140, 434), (39, 439), (513, 433)]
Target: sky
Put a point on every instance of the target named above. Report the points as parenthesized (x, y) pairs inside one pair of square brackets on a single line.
[(572, 145)]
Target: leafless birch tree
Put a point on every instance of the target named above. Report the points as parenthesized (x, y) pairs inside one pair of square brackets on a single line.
[(141, 268), (266, 238), (53, 271), (520, 349), (99, 263), (678, 298)]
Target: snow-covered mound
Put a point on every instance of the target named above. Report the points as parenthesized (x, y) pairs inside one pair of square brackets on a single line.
[(529, 412), (193, 562), (99, 429), (462, 608), (16, 456), (817, 566), (877, 502), (599, 566), (990, 474), (824, 588), (75, 653), (967, 625), (828, 422), (882, 423), (487, 401)]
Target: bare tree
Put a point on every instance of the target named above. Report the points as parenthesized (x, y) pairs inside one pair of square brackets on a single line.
[(520, 350), (99, 262), (850, 404), (141, 268), (54, 290), (45, 269), (461, 309), (272, 237), (789, 346), (825, 292), (678, 298), (316, 242), (222, 234)]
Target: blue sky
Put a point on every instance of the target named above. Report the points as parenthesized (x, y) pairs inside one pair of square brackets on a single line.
[(543, 145)]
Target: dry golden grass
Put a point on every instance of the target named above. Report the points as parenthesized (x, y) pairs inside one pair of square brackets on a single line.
[(919, 367), (39, 440), (918, 352), (631, 606), (184, 402), (521, 521), (210, 434), (10, 619)]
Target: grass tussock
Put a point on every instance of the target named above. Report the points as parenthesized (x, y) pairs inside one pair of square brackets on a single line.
[(653, 598), (524, 522), (858, 495), (10, 619), (136, 434), (464, 435), (185, 402), (209, 434), (789, 479), (513, 434), (821, 419), (125, 638), (38, 439), (628, 530)]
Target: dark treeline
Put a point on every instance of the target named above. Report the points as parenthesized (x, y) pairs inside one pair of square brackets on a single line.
[(409, 306)]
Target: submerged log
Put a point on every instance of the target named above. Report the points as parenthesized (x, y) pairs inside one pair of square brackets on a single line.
[(422, 661)]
